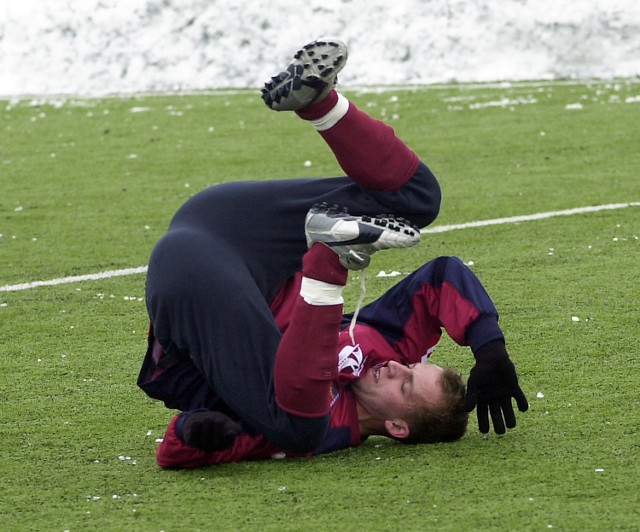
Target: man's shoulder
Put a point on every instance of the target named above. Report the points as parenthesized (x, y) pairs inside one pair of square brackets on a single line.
[(344, 429)]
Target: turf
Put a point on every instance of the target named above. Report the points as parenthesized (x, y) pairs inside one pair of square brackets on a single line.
[(89, 185)]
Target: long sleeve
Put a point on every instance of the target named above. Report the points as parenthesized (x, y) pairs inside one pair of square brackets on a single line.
[(457, 298), (442, 294), (306, 361)]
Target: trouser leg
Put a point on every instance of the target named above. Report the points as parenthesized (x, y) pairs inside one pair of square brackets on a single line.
[(201, 297), (264, 220)]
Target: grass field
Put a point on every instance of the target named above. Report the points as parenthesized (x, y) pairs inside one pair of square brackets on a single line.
[(89, 185)]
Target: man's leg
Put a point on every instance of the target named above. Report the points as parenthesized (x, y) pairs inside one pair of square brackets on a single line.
[(367, 149), (202, 299), (305, 365), (264, 220)]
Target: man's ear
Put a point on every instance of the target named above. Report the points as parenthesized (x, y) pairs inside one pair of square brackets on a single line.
[(397, 428)]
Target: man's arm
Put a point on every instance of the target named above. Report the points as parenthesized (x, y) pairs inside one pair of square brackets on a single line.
[(469, 316), (492, 384), (446, 294)]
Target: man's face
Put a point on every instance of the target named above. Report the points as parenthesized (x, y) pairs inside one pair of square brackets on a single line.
[(389, 392)]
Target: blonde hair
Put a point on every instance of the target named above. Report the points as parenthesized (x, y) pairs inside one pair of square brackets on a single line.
[(445, 421)]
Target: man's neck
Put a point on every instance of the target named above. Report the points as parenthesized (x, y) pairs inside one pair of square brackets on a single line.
[(369, 426)]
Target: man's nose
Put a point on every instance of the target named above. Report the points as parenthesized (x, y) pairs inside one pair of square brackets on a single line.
[(396, 369)]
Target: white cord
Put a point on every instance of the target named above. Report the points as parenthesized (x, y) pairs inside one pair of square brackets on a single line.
[(320, 293), (354, 318)]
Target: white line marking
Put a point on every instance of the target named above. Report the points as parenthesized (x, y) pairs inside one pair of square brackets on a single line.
[(529, 217), (437, 229), (62, 98), (74, 279)]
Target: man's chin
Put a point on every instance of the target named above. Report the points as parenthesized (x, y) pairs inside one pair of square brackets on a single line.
[(367, 380)]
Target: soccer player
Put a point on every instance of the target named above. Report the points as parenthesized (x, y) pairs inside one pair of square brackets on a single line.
[(244, 293)]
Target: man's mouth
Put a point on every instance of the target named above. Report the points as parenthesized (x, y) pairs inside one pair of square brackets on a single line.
[(376, 371)]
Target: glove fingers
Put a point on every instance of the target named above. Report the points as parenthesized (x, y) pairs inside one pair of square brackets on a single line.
[(496, 418), (507, 410), (521, 400), (482, 412)]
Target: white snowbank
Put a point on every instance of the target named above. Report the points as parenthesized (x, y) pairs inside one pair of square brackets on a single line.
[(105, 46)]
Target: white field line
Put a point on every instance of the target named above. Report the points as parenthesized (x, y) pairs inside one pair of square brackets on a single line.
[(61, 98), (436, 229), (74, 279), (529, 217)]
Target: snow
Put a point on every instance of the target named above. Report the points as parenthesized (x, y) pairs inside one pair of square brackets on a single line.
[(95, 47)]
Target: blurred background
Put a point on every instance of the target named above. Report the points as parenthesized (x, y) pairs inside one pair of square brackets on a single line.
[(97, 47)]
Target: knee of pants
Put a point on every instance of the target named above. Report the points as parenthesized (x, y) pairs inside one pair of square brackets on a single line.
[(426, 193), (418, 200)]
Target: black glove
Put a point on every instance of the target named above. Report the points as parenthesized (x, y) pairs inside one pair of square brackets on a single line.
[(209, 431), (491, 385)]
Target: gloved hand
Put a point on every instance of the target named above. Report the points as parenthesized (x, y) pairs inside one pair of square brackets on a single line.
[(491, 385), (208, 431)]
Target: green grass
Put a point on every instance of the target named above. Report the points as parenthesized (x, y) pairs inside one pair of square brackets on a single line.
[(90, 185)]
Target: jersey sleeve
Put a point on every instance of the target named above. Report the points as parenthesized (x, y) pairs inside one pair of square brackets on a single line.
[(443, 294), (459, 301)]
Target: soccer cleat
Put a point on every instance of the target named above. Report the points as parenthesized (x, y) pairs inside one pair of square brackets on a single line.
[(356, 238), (309, 78)]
